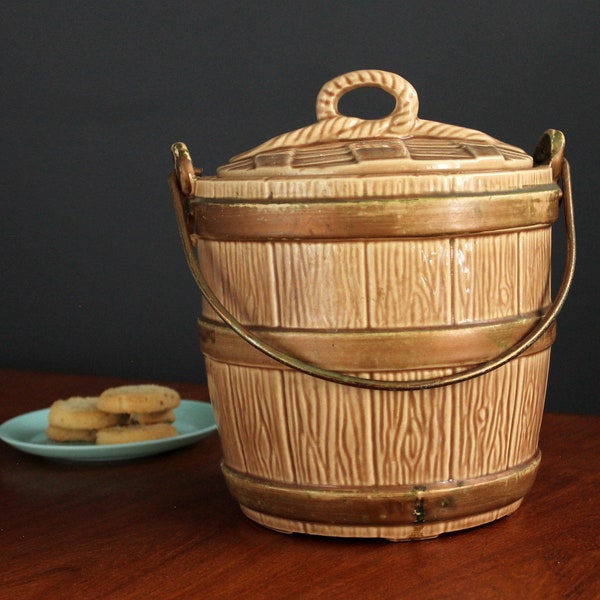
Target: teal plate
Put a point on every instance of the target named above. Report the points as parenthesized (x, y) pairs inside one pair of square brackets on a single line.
[(195, 420)]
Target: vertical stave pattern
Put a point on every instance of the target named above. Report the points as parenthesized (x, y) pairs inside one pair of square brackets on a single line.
[(242, 276), (409, 282), (208, 256), (528, 411), (223, 400), (321, 285), (252, 420), (412, 442), (486, 277), (497, 417), (330, 432), (534, 268), (482, 416)]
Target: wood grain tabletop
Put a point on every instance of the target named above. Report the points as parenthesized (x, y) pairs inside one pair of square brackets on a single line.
[(165, 526)]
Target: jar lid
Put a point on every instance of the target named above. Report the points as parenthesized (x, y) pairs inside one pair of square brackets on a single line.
[(396, 144), (398, 156)]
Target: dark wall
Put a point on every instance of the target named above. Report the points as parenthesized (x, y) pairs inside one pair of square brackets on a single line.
[(93, 95)]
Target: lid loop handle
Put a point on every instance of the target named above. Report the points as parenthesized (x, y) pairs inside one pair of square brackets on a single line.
[(332, 126), (400, 121)]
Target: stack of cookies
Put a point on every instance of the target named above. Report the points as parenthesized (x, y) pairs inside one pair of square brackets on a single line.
[(120, 415)]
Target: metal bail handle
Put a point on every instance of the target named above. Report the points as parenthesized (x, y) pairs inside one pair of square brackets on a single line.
[(183, 221)]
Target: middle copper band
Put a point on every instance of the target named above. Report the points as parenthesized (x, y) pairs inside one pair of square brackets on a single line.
[(355, 351)]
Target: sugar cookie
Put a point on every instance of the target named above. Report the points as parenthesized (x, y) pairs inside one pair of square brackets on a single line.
[(163, 416), (62, 434), (135, 433), (145, 398), (81, 413)]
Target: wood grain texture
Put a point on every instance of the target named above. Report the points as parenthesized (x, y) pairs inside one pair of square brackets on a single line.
[(486, 277), (409, 283), (380, 284), (412, 431), (528, 414), (534, 269), (165, 526), (288, 427), (321, 285), (496, 417), (249, 405), (386, 185), (242, 276), (330, 432)]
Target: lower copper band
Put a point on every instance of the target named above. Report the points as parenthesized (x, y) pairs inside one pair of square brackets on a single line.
[(386, 505)]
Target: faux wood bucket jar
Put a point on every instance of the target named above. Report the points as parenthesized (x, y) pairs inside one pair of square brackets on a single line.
[(377, 317)]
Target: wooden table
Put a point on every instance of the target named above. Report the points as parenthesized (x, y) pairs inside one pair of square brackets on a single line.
[(165, 527)]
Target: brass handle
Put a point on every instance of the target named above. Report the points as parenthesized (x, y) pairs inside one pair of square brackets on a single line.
[(180, 202), (183, 167)]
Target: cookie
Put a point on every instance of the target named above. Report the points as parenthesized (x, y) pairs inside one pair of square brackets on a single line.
[(135, 433), (145, 398), (62, 434), (81, 413), (163, 416)]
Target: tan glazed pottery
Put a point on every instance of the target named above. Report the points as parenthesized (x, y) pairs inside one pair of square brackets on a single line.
[(377, 317)]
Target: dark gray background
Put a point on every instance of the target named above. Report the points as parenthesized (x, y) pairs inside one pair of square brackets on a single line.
[(93, 95)]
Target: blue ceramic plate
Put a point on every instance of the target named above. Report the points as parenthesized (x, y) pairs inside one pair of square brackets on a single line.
[(27, 433)]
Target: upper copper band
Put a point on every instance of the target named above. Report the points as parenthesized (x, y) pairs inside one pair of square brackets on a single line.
[(228, 219)]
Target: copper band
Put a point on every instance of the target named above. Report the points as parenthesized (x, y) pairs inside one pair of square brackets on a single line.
[(385, 505), (358, 351), (374, 218)]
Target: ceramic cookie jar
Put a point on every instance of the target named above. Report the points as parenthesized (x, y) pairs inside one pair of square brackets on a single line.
[(377, 317)]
